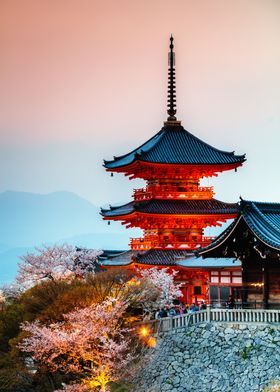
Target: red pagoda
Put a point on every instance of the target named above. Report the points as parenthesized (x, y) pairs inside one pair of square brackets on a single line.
[(173, 209)]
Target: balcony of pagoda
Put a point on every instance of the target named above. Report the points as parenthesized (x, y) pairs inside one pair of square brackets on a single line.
[(146, 244), (140, 244), (173, 192)]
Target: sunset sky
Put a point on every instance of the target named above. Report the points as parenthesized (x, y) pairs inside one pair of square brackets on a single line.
[(83, 80)]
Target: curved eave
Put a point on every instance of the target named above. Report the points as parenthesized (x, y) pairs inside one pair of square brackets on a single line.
[(139, 265), (132, 155), (193, 215), (125, 209), (128, 168), (119, 217), (122, 259), (171, 208), (221, 239), (107, 264), (271, 239), (216, 215), (154, 264), (266, 241)]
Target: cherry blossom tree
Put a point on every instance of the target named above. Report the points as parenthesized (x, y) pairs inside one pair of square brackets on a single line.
[(91, 343), (2, 299), (149, 289), (164, 282), (12, 291), (56, 262)]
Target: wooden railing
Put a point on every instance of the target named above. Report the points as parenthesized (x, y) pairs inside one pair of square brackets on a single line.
[(168, 192), (245, 315), (140, 244), (261, 316), (154, 242)]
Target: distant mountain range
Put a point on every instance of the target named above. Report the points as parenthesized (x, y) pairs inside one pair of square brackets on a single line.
[(28, 220)]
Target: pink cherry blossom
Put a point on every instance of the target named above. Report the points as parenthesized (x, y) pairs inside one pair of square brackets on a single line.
[(90, 341), (164, 281), (55, 263)]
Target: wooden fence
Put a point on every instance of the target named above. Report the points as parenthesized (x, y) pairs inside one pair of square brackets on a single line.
[(261, 316)]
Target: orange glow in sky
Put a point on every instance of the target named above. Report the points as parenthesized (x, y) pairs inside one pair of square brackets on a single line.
[(86, 80)]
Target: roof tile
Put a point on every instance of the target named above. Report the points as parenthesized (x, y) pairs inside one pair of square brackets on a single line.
[(175, 145), (179, 207)]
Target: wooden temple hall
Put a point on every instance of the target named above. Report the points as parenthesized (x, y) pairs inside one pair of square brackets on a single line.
[(173, 210)]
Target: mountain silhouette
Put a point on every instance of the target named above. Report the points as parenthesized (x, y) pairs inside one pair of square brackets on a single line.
[(28, 220)]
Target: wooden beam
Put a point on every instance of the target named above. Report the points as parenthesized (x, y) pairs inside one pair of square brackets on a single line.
[(265, 284)]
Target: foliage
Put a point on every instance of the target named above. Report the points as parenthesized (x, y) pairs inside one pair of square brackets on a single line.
[(149, 290), (271, 331), (245, 352), (45, 304), (163, 281), (90, 342), (13, 374), (248, 349), (120, 387), (10, 318), (57, 262), (11, 292), (112, 283), (49, 300)]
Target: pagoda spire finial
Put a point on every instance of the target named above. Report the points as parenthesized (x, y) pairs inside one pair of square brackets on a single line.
[(171, 100)]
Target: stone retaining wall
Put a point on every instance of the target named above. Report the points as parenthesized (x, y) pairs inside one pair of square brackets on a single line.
[(213, 357)]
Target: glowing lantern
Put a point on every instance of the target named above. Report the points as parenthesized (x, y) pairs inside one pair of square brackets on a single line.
[(144, 332), (152, 342)]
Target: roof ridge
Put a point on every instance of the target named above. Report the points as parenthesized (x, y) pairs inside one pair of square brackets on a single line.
[(261, 202)]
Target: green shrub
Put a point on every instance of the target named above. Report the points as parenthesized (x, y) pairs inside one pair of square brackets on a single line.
[(246, 351)]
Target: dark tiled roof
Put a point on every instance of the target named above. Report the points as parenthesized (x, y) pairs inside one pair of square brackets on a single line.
[(181, 207), (116, 259), (110, 253), (162, 257), (170, 257), (175, 145), (262, 218), (125, 209)]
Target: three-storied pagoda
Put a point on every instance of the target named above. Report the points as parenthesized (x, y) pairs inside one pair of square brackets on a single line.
[(173, 209)]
